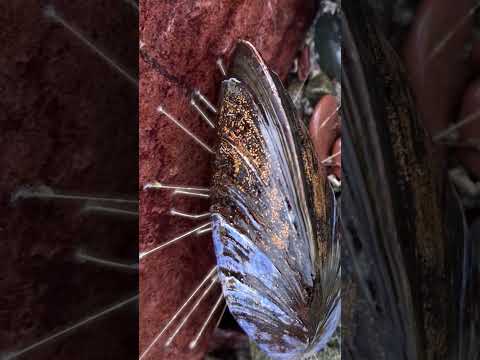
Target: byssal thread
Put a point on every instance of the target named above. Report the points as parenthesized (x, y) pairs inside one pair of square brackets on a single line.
[(158, 185), (192, 310), (104, 262), (179, 311), (202, 114), (467, 120), (194, 343), (52, 13), (45, 192), (205, 101), (174, 212), (81, 323), (330, 158), (109, 210), (162, 111), (204, 231), (174, 240), (221, 67), (330, 116), (190, 193)]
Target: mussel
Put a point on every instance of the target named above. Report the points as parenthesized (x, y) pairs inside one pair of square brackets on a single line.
[(274, 216), (406, 259)]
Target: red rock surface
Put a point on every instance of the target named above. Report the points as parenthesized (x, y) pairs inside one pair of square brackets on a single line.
[(182, 41), (304, 64), (325, 129), (67, 120)]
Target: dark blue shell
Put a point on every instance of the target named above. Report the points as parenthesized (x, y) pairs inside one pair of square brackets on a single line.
[(274, 217), (328, 39)]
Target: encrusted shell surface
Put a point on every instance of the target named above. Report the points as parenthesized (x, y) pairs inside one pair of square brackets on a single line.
[(274, 216)]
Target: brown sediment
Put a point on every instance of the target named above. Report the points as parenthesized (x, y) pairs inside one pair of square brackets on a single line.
[(182, 41)]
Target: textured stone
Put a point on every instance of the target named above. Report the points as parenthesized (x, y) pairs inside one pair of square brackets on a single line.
[(67, 121), (181, 41)]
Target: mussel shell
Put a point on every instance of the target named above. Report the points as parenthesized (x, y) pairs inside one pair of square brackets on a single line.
[(274, 216), (404, 228), (328, 39)]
